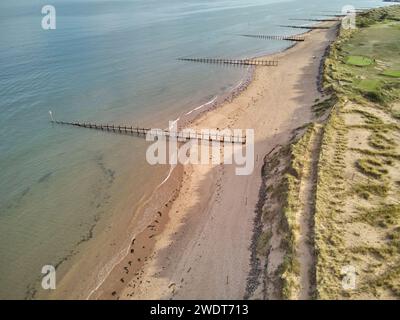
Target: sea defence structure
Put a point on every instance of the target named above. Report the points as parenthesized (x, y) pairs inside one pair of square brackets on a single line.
[(336, 15), (244, 62), (305, 27), (214, 135), (358, 10), (316, 20), (267, 37)]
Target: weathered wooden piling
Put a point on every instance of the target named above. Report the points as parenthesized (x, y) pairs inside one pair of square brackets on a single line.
[(245, 62), (335, 15), (268, 37), (183, 136), (357, 10), (306, 27), (316, 20)]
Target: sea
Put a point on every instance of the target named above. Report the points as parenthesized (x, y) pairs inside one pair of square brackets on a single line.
[(65, 192)]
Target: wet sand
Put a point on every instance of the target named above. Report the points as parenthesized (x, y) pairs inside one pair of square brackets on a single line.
[(198, 245)]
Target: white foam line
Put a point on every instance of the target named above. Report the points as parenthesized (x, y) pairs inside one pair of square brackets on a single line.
[(168, 176), (172, 124), (202, 106), (237, 86), (125, 252), (240, 83)]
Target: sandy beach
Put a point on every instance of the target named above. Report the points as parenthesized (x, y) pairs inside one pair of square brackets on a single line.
[(198, 246)]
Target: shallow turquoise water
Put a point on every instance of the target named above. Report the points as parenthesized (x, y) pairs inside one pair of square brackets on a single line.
[(108, 61)]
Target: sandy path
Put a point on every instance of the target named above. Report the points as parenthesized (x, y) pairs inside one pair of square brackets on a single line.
[(203, 252), (305, 218)]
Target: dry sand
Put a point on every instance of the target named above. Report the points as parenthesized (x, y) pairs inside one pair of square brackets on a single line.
[(201, 249)]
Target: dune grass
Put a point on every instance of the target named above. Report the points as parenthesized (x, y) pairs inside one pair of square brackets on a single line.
[(290, 269), (354, 185), (379, 141), (321, 107), (384, 215), (371, 167), (367, 190), (362, 67)]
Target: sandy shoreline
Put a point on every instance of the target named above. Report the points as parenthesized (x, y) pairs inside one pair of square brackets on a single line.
[(198, 246)]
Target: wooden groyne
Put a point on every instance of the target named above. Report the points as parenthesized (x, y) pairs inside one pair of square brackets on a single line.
[(356, 10), (335, 15), (344, 15), (267, 37), (182, 136), (306, 27), (244, 62), (316, 20)]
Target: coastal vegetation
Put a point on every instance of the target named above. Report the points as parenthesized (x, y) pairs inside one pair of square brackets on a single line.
[(359, 227), (332, 194)]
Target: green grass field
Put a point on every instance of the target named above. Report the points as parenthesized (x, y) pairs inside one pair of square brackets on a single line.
[(369, 85), (369, 64), (359, 61), (392, 73)]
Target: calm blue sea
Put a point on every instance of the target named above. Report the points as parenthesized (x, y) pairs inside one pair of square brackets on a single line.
[(61, 188)]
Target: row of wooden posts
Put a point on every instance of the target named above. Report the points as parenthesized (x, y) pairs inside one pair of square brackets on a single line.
[(247, 62), (267, 37), (265, 63), (182, 135), (306, 27), (199, 136), (316, 20)]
